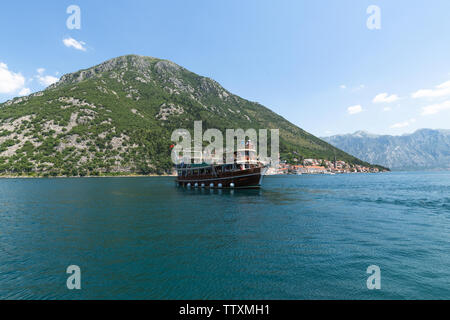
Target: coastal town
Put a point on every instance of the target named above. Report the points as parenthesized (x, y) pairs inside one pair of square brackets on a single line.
[(320, 166)]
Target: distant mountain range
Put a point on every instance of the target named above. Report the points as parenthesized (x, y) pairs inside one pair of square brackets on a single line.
[(424, 149), (117, 118)]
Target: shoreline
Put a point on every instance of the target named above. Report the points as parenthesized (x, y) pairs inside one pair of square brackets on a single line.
[(89, 177), (7, 177)]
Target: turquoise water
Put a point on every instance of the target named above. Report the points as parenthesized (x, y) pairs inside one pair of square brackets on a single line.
[(300, 237)]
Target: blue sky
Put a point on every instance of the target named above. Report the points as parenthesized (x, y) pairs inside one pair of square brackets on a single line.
[(314, 62)]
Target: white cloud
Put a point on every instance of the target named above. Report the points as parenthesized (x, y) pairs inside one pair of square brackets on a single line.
[(71, 42), (403, 124), (400, 125), (343, 86), (358, 88), (442, 90), (436, 108), (10, 82), (354, 109), (385, 98), (24, 92), (386, 109), (47, 80)]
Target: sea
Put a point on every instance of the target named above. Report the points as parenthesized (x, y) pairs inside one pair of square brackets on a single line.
[(298, 237)]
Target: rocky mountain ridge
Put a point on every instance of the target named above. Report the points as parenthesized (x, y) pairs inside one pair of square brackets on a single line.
[(425, 149)]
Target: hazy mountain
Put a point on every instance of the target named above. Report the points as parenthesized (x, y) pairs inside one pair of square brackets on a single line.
[(424, 149), (117, 117)]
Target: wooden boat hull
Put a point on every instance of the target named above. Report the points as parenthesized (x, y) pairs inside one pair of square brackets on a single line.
[(250, 178)]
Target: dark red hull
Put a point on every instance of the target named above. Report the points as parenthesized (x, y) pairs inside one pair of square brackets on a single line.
[(250, 178)]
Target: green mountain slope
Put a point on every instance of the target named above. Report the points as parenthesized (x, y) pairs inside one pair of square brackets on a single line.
[(118, 117)]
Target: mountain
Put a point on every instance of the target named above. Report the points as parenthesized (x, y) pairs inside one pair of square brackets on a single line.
[(117, 117), (424, 149)]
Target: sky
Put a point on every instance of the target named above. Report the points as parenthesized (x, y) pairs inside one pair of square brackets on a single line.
[(316, 63)]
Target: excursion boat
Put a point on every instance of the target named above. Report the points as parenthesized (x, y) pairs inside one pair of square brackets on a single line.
[(246, 171)]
